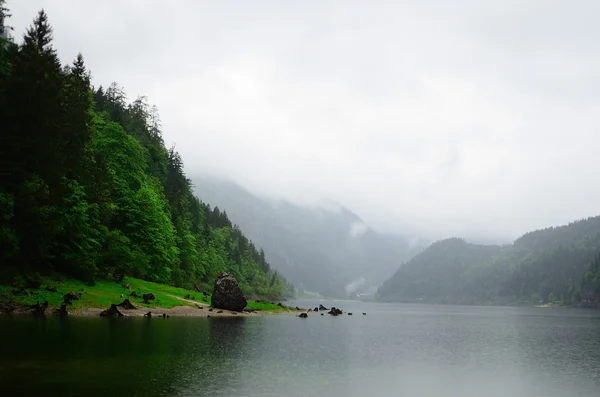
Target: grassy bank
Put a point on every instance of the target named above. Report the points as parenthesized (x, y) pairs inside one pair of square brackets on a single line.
[(106, 292)]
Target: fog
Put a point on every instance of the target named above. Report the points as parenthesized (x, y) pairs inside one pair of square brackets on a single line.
[(434, 118)]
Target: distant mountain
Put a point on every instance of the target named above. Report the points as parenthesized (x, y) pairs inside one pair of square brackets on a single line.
[(542, 266), (326, 249)]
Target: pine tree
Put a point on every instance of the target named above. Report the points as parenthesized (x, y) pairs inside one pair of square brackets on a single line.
[(76, 130), (35, 95), (4, 14), (33, 155)]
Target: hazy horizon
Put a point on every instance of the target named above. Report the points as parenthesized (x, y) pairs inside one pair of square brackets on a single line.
[(437, 119)]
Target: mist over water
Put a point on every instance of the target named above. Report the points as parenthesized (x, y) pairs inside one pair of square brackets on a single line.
[(400, 350)]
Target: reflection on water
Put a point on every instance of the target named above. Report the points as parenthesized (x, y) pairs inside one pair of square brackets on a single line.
[(403, 350)]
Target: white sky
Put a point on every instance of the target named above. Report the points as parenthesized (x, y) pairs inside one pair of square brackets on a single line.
[(438, 118)]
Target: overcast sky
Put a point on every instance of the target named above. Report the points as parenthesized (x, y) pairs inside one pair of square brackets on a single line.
[(441, 118)]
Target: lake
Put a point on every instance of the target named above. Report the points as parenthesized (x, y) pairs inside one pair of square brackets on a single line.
[(395, 350)]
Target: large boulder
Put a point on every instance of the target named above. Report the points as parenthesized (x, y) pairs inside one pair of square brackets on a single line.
[(227, 294)]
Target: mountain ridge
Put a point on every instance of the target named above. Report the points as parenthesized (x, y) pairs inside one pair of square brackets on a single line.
[(545, 265), (323, 248)]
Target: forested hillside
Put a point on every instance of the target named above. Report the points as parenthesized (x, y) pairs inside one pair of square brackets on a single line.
[(325, 249), (88, 189), (549, 266)]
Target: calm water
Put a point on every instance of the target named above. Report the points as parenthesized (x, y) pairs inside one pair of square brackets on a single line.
[(396, 350)]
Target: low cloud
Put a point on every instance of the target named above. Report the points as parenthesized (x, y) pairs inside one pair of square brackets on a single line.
[(427, 118), (358, 229), (355, 286)]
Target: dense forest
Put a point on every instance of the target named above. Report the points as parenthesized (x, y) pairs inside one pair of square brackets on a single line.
[(546, 266), (88, 188)]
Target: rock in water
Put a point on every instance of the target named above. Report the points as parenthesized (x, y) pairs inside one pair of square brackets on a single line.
[(227, 294), (335, 311)]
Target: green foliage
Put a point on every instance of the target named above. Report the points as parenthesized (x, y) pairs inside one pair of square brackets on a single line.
[(9, 243), (545, 266), (89, 189), (106, 292)]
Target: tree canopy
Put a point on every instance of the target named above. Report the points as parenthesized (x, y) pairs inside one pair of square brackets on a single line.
[(88, 188)]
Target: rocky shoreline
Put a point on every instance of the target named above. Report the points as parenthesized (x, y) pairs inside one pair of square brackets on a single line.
[(177, 311)]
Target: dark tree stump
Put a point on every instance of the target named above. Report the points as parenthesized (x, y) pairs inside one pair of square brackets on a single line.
[(62, 311), (39, 310), (126, 305), (148, 315), (111, 311), (148, 297), (73, 296)]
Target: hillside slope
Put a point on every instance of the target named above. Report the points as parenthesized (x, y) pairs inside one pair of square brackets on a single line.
[(327, 250), (542, 266)]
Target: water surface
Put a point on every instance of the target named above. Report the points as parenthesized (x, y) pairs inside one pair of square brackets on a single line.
[(395, 350)]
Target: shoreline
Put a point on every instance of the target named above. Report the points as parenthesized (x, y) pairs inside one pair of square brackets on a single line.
[(177, 311), (47, 298)]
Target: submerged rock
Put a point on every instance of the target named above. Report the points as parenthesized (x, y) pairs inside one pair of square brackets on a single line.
[(303, 315), (321, 307), (227, 294)]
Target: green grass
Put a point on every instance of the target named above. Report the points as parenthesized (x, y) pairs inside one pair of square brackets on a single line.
[(107, 292)]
